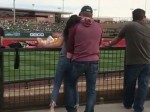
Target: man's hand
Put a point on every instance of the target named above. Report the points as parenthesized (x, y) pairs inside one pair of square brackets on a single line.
[(106, 44), (69, 55)]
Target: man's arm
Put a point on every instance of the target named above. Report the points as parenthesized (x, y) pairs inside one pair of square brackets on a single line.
[(118, 38), (113, 42)]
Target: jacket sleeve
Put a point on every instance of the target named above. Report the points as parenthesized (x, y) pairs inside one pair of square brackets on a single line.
[(71, 39)]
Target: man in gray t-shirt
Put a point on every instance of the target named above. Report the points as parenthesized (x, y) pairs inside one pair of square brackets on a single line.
[(137, 36), (137, 66)]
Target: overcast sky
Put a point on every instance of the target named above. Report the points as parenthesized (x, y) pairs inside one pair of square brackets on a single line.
[(106, 8)]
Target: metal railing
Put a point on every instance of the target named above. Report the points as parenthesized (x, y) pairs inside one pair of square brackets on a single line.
[(27, 76)]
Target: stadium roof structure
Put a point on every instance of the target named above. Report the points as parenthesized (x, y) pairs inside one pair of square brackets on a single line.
[(33, 10)]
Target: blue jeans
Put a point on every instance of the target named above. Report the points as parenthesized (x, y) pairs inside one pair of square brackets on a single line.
[(63, 71), (90, 69), (140, 72)]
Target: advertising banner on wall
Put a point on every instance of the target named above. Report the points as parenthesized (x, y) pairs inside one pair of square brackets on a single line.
[(12, 34)]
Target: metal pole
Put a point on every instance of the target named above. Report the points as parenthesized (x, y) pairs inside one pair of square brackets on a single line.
[(1, 79), (33, 6), (145, 5), (63, 6), (14, 10), (98, 8)]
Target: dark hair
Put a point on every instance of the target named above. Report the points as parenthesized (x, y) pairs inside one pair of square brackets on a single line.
[(138, 14), (74, 19)]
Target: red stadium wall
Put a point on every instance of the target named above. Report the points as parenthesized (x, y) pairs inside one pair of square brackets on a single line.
[(6, 42), (120, 44)]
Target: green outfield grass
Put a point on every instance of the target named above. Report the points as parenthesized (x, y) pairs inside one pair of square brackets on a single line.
[(37, 64)]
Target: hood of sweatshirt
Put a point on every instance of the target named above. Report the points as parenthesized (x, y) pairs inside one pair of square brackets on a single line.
[(86, 21)]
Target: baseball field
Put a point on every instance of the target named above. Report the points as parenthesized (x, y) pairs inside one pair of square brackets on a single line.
[(42, 64)]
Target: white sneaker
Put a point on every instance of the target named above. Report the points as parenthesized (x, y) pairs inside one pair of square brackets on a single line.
[(77, 107), (52, 110), (52, 106)]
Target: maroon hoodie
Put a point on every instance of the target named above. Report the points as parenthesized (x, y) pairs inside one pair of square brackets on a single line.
[(84, 40)]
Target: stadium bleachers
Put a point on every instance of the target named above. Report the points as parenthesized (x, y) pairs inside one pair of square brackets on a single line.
[(30, 25)]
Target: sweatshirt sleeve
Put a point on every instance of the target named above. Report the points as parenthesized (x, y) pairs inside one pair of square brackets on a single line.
[(70, 42)]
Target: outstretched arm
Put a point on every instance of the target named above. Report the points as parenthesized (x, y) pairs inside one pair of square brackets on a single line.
[(113, 42), (56, 43), (51, 42)]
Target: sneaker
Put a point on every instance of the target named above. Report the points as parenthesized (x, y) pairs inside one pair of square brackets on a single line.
[(77, 108), (52, 106), (52, 110)]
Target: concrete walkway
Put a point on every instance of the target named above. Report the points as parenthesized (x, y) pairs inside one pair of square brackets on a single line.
[(116, 107)]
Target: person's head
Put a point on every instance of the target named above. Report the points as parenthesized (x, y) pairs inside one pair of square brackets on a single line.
[(86, 11), (138, 14), (74, 19)]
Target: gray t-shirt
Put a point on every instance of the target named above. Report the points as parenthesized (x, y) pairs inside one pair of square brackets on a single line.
[(137, 38)]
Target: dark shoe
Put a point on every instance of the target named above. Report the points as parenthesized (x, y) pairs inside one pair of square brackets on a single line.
[(137, 111), (128, 107)]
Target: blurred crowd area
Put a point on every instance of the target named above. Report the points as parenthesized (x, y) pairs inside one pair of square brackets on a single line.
[(29, 24), (24, 25)]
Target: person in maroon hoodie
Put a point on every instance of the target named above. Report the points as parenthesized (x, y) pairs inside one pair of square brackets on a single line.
[(83, 50)]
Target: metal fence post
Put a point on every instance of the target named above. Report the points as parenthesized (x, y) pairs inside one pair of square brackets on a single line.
[(124, 80), (1, 79)]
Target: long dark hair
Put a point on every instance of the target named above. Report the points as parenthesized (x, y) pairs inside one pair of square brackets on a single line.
[(74, 19)]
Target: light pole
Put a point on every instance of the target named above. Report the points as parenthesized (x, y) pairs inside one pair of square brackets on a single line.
[(98, 8), (145, 5), (63, 5), (14, 10), (33, 5), (95, 10)]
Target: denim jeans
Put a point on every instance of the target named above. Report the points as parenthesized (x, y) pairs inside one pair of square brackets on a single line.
[(133, 73), (90, 69), (63, 71)]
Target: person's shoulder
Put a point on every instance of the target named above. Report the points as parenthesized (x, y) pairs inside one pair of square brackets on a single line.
[(132, 23), (99, 25), (147, 25), (129, 24)]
